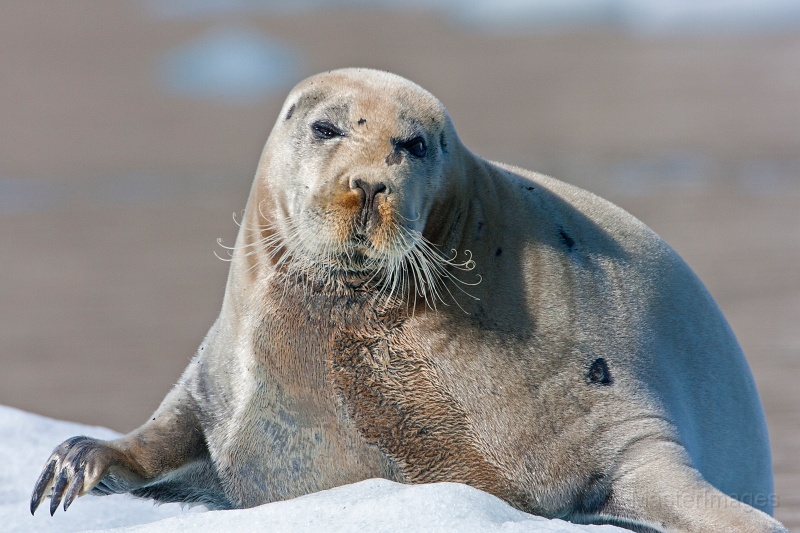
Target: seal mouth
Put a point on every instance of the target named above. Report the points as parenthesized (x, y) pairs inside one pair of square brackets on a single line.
[(368, 247), (405, 266), (393, 262), (360, 257)]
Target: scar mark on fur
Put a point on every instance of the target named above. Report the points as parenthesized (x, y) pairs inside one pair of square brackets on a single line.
[(568, 241), (457, 218), (599, 373), (290, 112)]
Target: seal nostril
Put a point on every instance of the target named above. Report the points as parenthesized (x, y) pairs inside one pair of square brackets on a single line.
[(378, 188), (369, 190)]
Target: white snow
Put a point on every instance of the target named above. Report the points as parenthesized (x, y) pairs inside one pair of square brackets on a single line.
[(375, 505)]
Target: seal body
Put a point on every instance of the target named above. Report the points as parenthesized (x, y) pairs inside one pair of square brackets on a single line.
[(398, 307)]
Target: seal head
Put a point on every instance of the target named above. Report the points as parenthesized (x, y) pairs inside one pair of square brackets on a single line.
[(355, 169)]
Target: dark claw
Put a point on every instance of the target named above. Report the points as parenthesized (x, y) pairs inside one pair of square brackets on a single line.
[(66, 472), (58, 491), (41, 485), (74, 489)]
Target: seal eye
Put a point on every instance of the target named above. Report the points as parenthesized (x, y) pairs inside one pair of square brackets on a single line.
[(322, 130), (416, 147)]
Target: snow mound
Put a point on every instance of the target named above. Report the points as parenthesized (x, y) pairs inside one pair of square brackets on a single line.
[(375, 505)]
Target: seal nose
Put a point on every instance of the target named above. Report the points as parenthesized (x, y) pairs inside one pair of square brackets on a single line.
[(368, 190)]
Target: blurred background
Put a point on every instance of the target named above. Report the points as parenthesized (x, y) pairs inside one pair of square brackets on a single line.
[(130, 132)]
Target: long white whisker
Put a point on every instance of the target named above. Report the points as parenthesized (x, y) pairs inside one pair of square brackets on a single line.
[(407, 267)]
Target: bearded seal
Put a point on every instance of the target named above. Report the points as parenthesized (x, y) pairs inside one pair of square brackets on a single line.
[(398, 307)]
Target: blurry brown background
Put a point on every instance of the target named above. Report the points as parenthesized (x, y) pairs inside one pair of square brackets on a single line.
[(117, 175)]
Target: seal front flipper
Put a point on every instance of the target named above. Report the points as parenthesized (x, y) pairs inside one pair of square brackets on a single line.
[(76, 466), (146, 462)]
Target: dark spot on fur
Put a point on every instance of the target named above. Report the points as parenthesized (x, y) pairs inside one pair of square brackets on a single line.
[(394, 158), (499, 252), (480, 227), (568, 241), (362, 121), (290, 112), (443, 143), (529, 188), (599, 373)]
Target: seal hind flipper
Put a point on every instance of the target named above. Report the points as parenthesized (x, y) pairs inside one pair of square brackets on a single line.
[(641, 499)]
